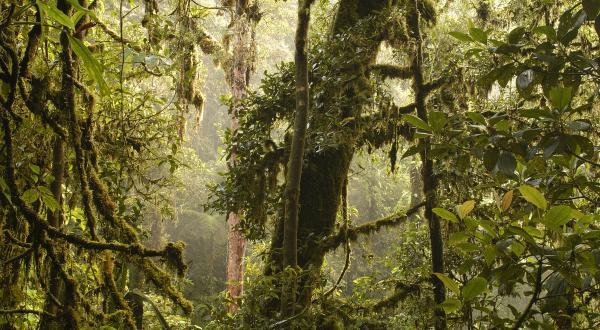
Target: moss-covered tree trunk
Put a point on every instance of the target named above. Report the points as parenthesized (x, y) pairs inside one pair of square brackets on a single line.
[(427, 173), (326, 168)]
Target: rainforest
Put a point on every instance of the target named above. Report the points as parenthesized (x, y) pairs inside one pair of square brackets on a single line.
[(299, 164)]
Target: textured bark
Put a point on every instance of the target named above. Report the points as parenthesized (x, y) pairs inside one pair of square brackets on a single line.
[(56, 285), (429, 180), (294, 167), (238, 78)]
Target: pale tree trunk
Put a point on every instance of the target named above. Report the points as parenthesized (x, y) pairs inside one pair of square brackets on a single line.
[(238, 77)]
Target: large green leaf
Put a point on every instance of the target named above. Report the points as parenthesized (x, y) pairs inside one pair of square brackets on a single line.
[(30, 196), (451, 305), (93, 67), (557, 216), (461, 36), (437, 120), (48, 198), (478, 35), (560, 97), (445, 214), (417, 122), (448, 282), (533, 196), (474, 287), (50, 9)]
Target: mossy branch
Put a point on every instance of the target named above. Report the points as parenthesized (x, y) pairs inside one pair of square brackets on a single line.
[(390, 71), (401, 292), (332, 242)]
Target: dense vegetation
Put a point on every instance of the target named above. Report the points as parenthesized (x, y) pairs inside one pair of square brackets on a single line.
[(349, 164)]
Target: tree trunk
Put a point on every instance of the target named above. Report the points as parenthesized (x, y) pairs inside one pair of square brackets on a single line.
[(325, 168), (429, 180), (294, 167), (241, 26), (55, 286)]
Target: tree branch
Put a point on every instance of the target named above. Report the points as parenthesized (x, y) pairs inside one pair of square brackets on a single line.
[(335, 240), (389, 71)]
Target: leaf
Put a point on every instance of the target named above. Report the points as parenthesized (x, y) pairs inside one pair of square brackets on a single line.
[(417, 122), (478, 35), (30, 196), (591, 8), (477, 117), (507, 200), (34, 168), (50, 202), (60, 17), (560, 97), (533, 196), (558, 216), (580, 125), (413, 150), (548, 31), (458, 237), (48, 198), (465, 208), (437, 120), (448, 282), (461, 36), (92, 65), (451, 305), (490, 159), (474, 287), (515, 35), (445, 214)]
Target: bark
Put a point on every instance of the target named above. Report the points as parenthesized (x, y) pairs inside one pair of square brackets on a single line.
[(238, 80), (56, 285), (429, 180), (294, 167)]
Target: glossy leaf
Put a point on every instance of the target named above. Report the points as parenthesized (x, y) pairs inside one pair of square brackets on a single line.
[(50, 9), (533, 196)]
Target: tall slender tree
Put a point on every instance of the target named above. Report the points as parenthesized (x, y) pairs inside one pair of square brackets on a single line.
[(241, 33), (294, 167)]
